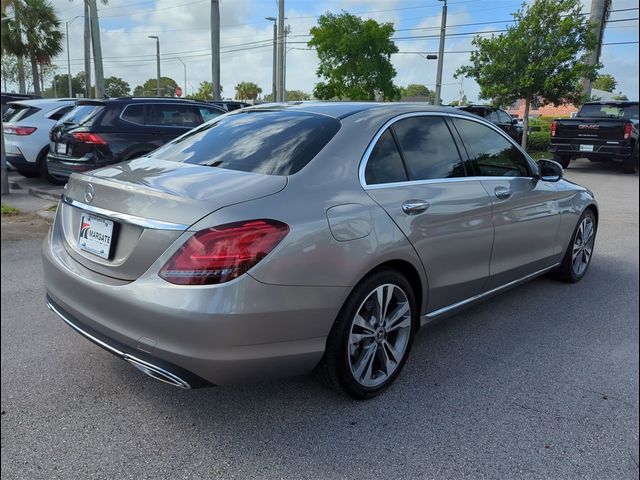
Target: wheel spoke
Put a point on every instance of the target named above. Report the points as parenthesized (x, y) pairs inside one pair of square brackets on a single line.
[(363, 324), (365, 363), (385, 361), (356, 338), (392, 354), (588, 232), (397, 314), (404, 322), (576, 264)]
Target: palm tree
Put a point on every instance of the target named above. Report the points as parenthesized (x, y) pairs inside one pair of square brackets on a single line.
[(35, 33), (12, 39)]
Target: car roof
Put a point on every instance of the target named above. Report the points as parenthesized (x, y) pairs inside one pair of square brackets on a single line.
[(342, 110), (612, 102), (43, 102)]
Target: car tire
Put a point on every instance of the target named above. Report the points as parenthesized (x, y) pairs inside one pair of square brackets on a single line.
[(364, 356), (573, 267), (563, 160), (630, 164), (43, 170)]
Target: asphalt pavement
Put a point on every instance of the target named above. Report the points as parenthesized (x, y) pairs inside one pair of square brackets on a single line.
[(540, 382)]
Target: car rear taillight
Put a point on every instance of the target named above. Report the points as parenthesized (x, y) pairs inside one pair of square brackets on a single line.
[(86, 137), (11, 130), (628, 130), (554, 128), (220, 254)]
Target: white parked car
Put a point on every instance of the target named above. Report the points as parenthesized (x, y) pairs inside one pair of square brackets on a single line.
[(26, 133)]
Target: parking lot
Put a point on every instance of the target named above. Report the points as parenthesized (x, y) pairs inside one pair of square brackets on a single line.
[(540, 382)]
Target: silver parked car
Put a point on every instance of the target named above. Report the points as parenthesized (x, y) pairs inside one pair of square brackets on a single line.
[(276, 239)]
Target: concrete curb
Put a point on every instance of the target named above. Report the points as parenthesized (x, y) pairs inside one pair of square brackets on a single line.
[(46, 214), (46, 194)]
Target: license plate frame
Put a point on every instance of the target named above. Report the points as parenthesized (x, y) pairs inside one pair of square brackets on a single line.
[(586, 148), (96, 235)]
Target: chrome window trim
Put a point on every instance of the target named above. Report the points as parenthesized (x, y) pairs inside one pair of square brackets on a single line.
[(367, 153), (456, 305), (125, 217)]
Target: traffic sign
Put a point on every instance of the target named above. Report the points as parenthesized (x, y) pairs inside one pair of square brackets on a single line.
[(178, 91)]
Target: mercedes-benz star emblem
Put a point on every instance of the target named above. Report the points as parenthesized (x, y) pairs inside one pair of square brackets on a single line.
[(89, 193)]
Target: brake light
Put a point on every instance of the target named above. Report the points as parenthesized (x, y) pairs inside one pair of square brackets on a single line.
[(554, 128), (220, 254), (86, 137), (11, 130), (628, 130)]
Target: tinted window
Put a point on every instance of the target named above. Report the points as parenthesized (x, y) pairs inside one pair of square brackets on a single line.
[(428, 148), (58, 114), (22, 112), (385, 164), (491, 154), (504, 117), (172, 115), (269, 142), (493, 117), (82, 114), (134, 114), (609, 111), (208, 113)]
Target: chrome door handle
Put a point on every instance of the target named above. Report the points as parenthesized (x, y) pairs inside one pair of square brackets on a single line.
[(413, 207), (502, 193)]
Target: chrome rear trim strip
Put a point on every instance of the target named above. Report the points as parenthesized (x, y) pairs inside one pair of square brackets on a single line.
[(125, 217), (448, 308), (147, 368)]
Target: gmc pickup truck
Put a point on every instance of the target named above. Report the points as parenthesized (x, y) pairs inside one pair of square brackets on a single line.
[(601, 131)]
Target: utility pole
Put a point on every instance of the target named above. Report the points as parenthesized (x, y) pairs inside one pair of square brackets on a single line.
[(97, 48), (157, 63), (280, 76), (215, 49), (4, 178), (87, 50), (597, 18), (443, 29), (184, 66), (274, 83), (70, 85), (287, 30)]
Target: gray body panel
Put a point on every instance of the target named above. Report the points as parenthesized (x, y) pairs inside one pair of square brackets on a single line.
[(274, 320)]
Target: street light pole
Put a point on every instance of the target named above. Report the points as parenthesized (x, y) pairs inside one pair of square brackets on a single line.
[(443, 29), (157, 61), (70, 85), (4, 180), (275, 57)]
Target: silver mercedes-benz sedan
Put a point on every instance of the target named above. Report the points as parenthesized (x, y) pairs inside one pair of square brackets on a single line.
[(277, 239)]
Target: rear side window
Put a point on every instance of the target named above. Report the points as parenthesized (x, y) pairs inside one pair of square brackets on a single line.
[(491, 154), (428, 148), (82, 114), (173, 115), (385, 163), (134, 114), (58, 114), (267, 142), (208, 113)]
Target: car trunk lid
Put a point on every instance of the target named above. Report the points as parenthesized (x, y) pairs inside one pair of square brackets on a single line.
[(151, 202)]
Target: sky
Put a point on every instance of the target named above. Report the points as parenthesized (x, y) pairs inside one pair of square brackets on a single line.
[(246, 49)]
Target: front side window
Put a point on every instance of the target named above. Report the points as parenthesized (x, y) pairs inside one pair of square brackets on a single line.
[(428, 148), (208, 113), (134, 113), (385, 163), (491, 154), (504, 117)]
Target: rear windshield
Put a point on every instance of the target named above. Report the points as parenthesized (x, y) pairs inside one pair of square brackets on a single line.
[(610, 111), (20, 112), (267, 142), (82, 114)]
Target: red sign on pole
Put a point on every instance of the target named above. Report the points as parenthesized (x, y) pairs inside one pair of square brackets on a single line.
[(178, 91)]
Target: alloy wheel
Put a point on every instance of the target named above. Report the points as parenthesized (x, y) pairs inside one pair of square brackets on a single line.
[(583, 246)]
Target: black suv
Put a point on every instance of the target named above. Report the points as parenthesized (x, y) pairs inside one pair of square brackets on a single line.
[(499, 117), (102, 132)]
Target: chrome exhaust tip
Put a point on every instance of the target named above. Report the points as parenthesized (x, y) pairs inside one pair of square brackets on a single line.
[(156, 372)]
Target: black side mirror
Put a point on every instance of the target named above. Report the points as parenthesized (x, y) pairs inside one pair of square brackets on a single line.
[(514, 121), (550, 171)]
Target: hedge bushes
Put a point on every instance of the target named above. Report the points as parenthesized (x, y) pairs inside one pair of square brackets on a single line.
[(539, 134)]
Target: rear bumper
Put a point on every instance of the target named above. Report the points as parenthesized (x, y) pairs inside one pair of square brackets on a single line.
[(240, 331), (600, 151), (61, 166), (20, 163)]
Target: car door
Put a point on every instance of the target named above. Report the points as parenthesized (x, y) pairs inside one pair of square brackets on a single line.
[(415, 172), (526, 213), (170, 120)]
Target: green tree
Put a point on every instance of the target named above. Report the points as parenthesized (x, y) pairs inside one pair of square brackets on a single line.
[(620, 97), (605, 82), (247, 91), (355, 58), (538, 59), (296, 96), (62, 86), (149, 88), (416, 90), (34, 33), (205, 91), (116, 87)]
